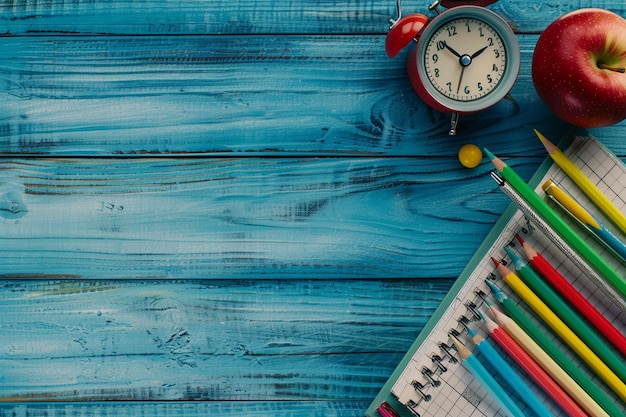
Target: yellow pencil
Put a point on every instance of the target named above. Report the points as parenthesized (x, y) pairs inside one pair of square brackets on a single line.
[(562, 331), (548, 364), (584, 183)]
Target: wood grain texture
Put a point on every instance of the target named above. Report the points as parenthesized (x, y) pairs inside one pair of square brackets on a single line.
[(205, 206), (328, 95), (191, 408), (245, 218), (360, 17), (206, 340)]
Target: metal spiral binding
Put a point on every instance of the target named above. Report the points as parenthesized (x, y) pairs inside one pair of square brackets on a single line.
[(440, 366), (419, 388), (447, 353), (429, 375)]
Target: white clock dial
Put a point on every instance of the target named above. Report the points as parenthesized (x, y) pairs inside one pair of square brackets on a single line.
[(465, 59)]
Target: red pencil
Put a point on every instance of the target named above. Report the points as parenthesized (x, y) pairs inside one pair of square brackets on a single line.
[(532, 368), (576, 299)]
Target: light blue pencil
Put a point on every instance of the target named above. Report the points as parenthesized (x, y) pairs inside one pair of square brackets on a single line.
[(487, 381), (509, 375)]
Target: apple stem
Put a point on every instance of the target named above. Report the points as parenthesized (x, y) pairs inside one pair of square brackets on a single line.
[(616, 69)]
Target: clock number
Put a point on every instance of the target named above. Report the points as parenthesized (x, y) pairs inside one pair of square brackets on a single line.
[(466, 90), (449, 84), (441, 45), (480, 86), (490, 40), (480, 30), (489, 78), (437, 72), (494, 68), (435, 58), (497, 53), (467, 25), (451, 31)]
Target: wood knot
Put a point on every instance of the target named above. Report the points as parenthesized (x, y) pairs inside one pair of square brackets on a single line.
[(11, 205)]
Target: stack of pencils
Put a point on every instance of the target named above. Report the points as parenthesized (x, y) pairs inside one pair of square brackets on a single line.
[(556, 304)]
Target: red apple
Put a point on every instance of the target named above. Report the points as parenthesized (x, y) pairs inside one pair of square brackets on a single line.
[(579, 66)]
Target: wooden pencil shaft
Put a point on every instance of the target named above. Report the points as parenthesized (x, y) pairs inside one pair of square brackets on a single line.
[(537, 373), (487, 381), (573, 320), (577, 300), (559, 225), (567, 335), (551, 367), (584, 183), (558, 241), (513, 380), (557, 354)]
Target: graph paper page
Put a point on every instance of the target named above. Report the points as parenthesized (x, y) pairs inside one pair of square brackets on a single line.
[(434, 383)]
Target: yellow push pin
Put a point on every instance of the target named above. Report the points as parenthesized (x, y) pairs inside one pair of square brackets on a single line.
[(470, 155)]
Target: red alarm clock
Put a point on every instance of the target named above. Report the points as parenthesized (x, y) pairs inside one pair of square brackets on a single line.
[(466, 59)]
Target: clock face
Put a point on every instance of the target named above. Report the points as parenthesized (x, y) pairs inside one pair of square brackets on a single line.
[(465, 59)]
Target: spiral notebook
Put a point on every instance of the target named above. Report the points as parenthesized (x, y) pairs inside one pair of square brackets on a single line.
[(430, 380)]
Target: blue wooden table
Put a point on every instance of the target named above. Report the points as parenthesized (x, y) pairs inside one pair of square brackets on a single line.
[(233, 208)]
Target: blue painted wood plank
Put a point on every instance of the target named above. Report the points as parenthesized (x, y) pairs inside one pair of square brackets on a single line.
[(271, 85), (207, 340), (245, 218), (303, 408), (102, 17), (264, 95)]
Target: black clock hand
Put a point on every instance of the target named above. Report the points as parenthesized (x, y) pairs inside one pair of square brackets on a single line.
[(458, 87), (480, 51), (449, 48)]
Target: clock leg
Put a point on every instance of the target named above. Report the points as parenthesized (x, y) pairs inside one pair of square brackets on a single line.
[(454, 121)]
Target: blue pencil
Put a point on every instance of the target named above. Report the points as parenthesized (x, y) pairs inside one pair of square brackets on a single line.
[(513, 379), (473, 365)]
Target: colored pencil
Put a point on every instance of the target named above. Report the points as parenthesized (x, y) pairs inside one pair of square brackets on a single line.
[(585, 219), (385, 410), (559, 225), (564, 380), (510, 376), (532, 368), (584, 183), (567, 314), (562, 331), (595, 395), (575, 298), (478, 371), (609, 292)]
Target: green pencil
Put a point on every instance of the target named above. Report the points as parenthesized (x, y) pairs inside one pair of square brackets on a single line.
[(555, 352), (568, 315), (559, 225)]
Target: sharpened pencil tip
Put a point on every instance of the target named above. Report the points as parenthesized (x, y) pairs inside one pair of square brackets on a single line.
[(489, 154), (541, 137), (499, 294), (496, 313), (519, 239), (495, 261), (497, 162), (550, 147), (517, 261)]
